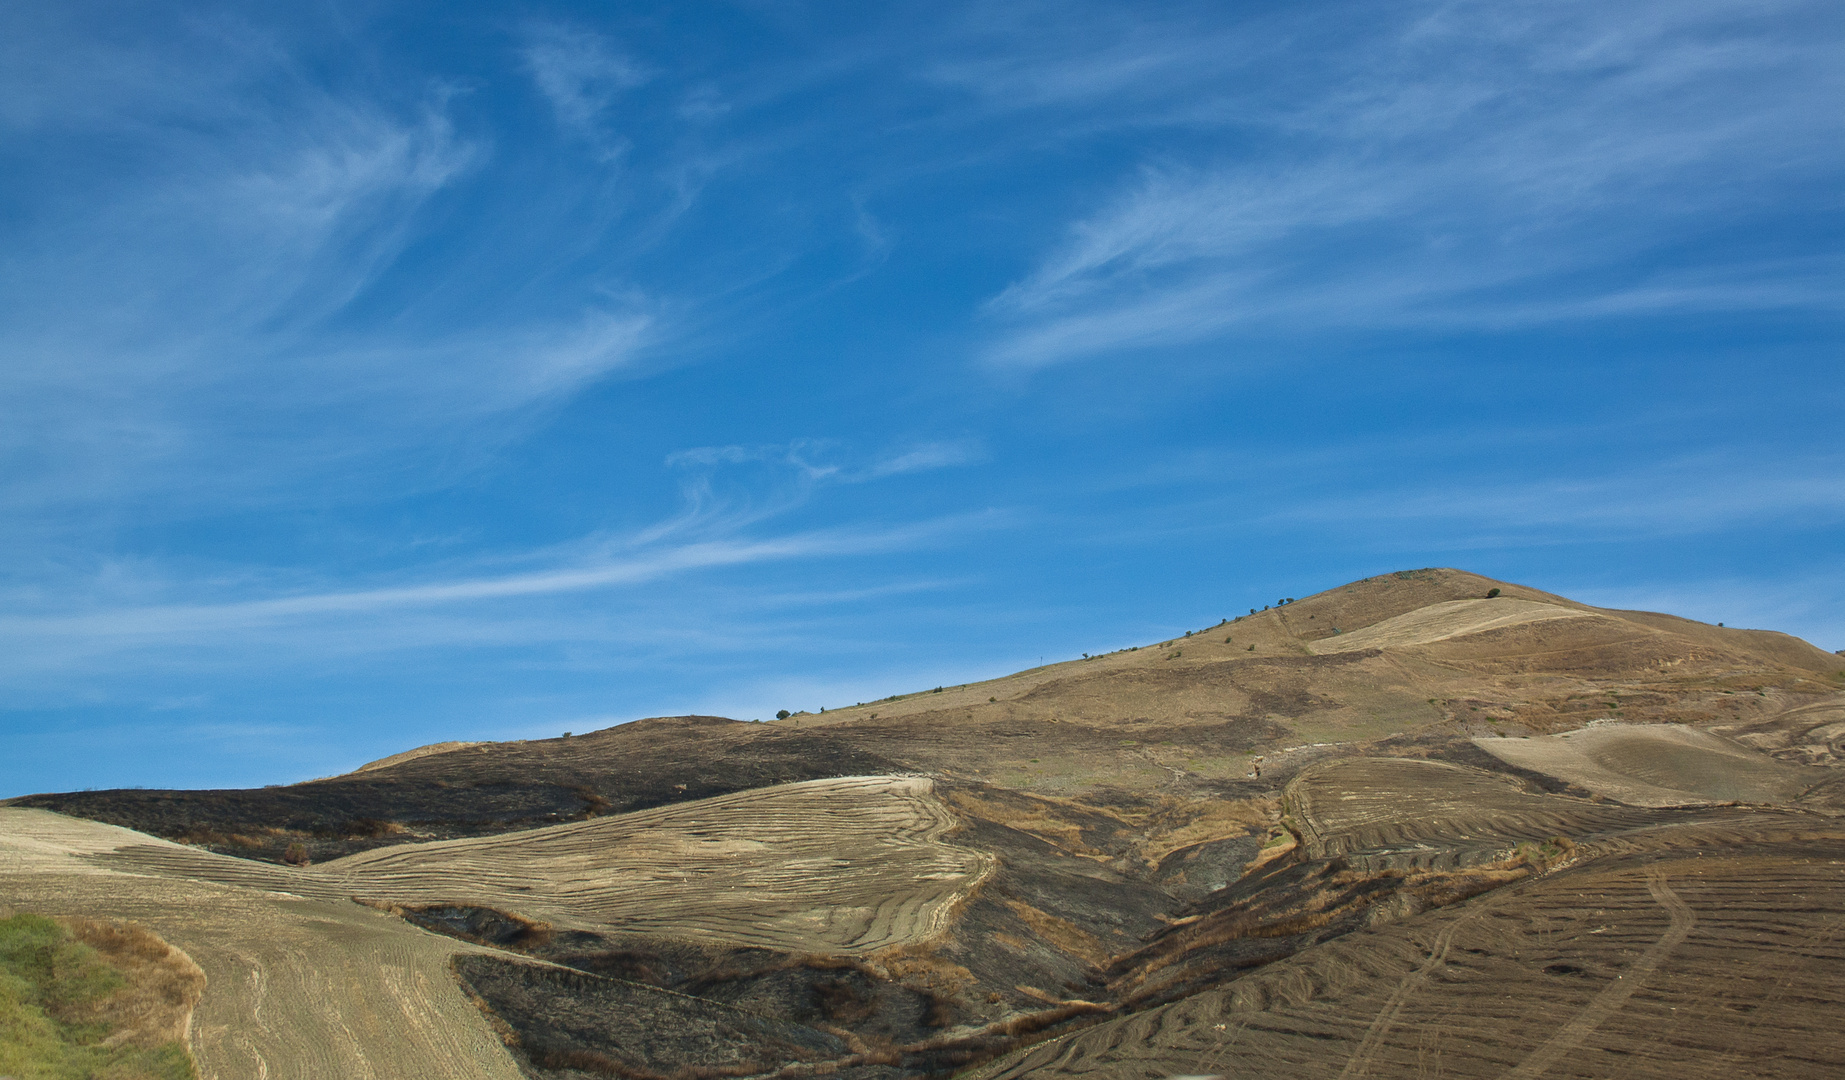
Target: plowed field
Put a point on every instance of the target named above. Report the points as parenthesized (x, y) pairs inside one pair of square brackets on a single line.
[(296, 987), (844, 865), (305, 983), (1400, 814), (1674, 967)]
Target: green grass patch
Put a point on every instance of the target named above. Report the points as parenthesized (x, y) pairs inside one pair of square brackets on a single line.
[(48, 982)]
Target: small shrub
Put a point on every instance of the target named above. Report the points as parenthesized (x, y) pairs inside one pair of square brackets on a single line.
[(1490, 593), (782, 714)]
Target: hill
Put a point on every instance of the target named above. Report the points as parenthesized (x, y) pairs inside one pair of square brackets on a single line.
[(1077, 866)]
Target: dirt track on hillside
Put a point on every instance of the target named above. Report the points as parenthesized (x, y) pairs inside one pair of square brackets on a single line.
[(1439, 622), (296, 987), (1679, 968), (305, 983), (844, 865)]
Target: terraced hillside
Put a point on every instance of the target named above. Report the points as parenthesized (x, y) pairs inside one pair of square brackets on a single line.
[(1649, 965), (1404, 813), (839, 867), (1294, 842), (842, 866)]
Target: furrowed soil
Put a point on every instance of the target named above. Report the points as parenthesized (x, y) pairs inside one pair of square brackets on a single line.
[(1401, 827), (294, 986), (1671, 964)]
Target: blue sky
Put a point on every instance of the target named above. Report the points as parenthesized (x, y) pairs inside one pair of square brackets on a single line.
[(373, 374)]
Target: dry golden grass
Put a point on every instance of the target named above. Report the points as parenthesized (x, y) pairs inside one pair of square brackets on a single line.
[(163, 984), (1062, 933), (1453, 618)]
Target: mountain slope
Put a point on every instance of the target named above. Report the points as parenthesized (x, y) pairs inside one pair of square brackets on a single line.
[(1314, 789)]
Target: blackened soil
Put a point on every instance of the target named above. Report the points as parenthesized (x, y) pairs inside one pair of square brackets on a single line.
[(571, 1022), (482, 790)]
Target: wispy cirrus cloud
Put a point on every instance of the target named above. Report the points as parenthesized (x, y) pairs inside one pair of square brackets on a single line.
[(1670, 498), (545, 601), (229, 324), (581, 74), (734, 486), (1467, 164)]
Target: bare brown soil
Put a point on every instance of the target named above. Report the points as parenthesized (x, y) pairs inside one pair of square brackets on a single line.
[(1676, 966), (1661, 765), (1332, 838)]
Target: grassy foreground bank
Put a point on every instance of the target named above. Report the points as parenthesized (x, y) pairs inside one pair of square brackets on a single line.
[(71, 1010)]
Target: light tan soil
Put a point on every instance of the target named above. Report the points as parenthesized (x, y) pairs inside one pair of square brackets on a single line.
[(1659, 765), (296, 987), (848, 865), (304, 982), (414, 754), (1438, 622)]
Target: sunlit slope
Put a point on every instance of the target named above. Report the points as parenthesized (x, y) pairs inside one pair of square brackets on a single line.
[(1674, 965), (1426, 656), (298, 988), (1660, 765), (1400, 814), (1448, 619), (845, 865)]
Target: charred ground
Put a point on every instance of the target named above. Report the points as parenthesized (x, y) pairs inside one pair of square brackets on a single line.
[(1162, 825)]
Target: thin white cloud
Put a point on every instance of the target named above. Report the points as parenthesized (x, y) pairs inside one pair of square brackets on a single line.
[(189, 340), (927, 457), (1473, 164), (581, 74), (1805, 605), (482, 608), (1673, 498)]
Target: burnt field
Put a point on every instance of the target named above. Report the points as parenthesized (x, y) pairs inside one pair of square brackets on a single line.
[(1668, 964), (1401, 828)]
